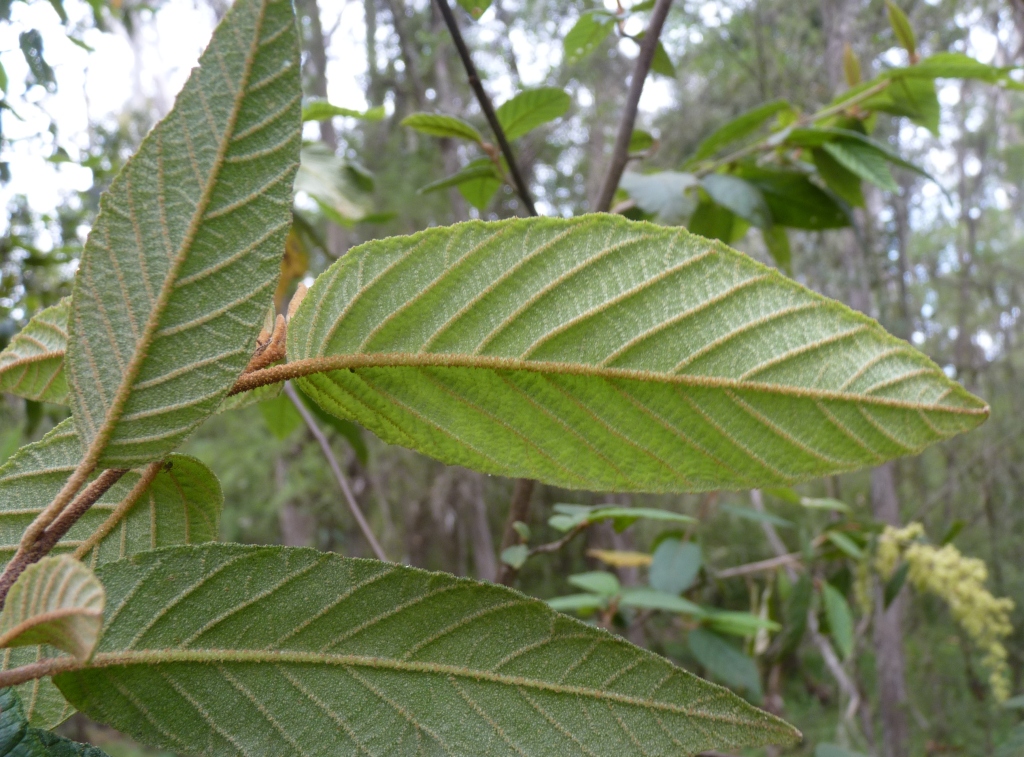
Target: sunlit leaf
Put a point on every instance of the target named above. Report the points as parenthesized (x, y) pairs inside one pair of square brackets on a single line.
[(320, 110), (618, 558), (532, 108)]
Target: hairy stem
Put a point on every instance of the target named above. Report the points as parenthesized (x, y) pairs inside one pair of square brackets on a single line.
[(339, 475), (620, 153), (57, 528), (485, 105), (121, 510)]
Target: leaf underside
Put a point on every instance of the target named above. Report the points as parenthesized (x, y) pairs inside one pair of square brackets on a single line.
[(599, 353), (182, 505), (181, 263), (55, 601), (32, 365), (234, 650)]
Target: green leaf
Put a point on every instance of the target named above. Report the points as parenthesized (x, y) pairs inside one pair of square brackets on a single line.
[(661, 63), (530, 109), (738, 623), (776, 239), (840, 619), (58, 6), (741, 197), (742, 126), (724, 662), (17, 739), (32, 365), (748, 513), (675, 565), (834, 750), (795, 201), (952, 532), (582, 603), (475, 8), (823, 503), (56, 601), (321, 110), (592, 28), (598, 353), (481, 168), (797, 607), (845, 544), (955, 66), (663, 194), (639, 141), (596, 582), (437, 125), (31, 44), (571, 516), (1013, 745), (515, 555), (902, 28), (643, 598), (913, 97), (280, 415), (200, 655), (894, 584), (864, 161), (349, 431), (480, 187), (182, 260), (713, 221), (841, 180), (327, 178), (1014, 703)]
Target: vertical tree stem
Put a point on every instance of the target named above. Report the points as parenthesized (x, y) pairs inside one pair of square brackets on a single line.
[(485, 105), (620, 153), (339, 475)]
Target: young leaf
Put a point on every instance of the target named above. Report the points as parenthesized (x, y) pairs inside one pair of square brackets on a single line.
[(840, 619), (532, 108), (180, 504), (675, 566), (182, 260), (724, 662), (437, 125), (913, 97), (851, 66), (902, 28), (739, 196), (231, 649), (618, 558), (17, 739), (320, 110), (32, 365), (742, 126), (955, 66), (864, 161), (598, 353), (592, 28), (56, 601), (639, 141)]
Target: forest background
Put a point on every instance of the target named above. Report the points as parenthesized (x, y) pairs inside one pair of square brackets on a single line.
[(937, 260)]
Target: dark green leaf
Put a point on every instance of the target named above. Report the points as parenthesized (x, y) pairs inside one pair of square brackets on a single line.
[(894, 584), (481, 168), (776, 239), (31, 43), (675, 566), (864, 161), (740, 127), (840, 619), (838, 178), (741, 197), (797, 606), (953, 531), (58, 5), (17, 739), (438, 125), (795, 201), (713, 221), (586, 34), (661, 63), (724, 662), (530, 109), (845, 544)]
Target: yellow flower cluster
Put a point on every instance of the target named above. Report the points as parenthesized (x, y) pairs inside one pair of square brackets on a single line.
[(960, 582)]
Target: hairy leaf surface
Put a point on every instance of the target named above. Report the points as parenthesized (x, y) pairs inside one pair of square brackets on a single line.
[(182, 260), (599, 353), (55, 601), (181, 505), (234, 650), (32, 365)]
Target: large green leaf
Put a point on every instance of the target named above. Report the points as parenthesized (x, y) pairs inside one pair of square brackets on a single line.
[(592, 28), (32, 365), (181, 505), (228, 649), (599, 353), (742, 126), (181, 263), (532, 108)]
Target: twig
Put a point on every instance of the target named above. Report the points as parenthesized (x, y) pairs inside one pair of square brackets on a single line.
[(485, 104), (554, 546), (339, 476), (518, 510), (620, 153), (760, 566), (55, 531)]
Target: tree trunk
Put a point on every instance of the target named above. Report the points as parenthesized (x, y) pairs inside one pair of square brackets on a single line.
[(890, 664)]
